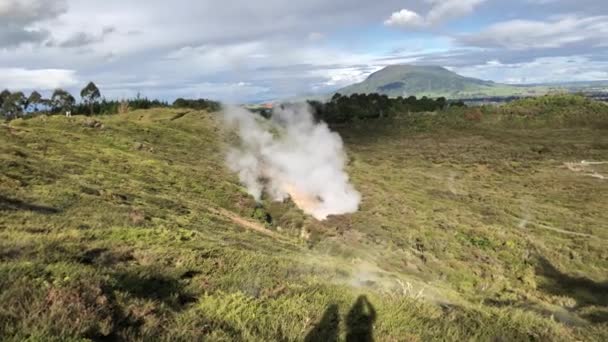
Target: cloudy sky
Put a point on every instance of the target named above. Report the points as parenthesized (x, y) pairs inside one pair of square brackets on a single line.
[(243, 50)]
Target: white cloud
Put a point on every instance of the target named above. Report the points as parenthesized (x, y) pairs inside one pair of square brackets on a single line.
[(227, 92), (440, 12), (405, 18), (542, 2), (42, 79), (528, 34), (315, 36), (341, 77), (540, 70), (444, 10), (11, 36), (18, 20), (81, 39), (30, 11)]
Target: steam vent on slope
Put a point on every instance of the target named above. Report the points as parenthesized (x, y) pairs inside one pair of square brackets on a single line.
[(292, 156)]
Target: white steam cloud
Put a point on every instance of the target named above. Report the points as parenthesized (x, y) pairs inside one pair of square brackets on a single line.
[(292, 156)]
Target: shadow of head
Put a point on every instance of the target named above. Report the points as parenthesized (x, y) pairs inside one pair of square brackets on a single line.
[(150, 285), (586, 292), (360, 321), (10, 204), (328, 328)]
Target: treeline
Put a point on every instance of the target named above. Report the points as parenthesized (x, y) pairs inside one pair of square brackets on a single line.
[(17, 104), (344, 109), (109, 107), (199, 104)]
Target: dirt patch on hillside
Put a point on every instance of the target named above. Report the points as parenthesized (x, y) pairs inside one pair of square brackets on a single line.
[(597, 170), (247, 224)]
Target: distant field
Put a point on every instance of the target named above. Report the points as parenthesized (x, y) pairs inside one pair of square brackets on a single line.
[(499, 90), (476, 224)]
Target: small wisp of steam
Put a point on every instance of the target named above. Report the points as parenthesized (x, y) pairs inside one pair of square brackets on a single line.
[(292, 156)]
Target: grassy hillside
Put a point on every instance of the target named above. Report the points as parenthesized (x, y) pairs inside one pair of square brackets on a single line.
[(433, 81), (476, 224)]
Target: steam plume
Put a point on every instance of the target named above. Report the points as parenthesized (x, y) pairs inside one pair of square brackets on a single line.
[(291, 156)]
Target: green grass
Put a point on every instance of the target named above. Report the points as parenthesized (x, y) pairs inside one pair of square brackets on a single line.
[(471, 228)]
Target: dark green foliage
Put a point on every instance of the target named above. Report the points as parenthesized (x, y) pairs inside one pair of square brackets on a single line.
[(458, 103), (17, 105), (90, 95), (34, 101), (260, 214), (62, 101), (343, 109), (556, 110), (145, 103), (109, 107), (4, 95), (13, 105), (199, 104)]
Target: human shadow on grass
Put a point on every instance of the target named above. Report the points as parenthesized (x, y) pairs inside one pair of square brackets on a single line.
[(585, 291), (154, 287), (328, 328), (359, 323), (11, 204), (164, 291)]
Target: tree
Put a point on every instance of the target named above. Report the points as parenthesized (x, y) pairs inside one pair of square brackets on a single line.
[(47, 105), (62, 101), (180, 103), (3, 95), (336, 97), (13, 105), (34, 100), (442, 103), (90, 95)]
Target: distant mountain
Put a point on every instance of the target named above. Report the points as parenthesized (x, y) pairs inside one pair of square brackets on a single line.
[(433, 81)]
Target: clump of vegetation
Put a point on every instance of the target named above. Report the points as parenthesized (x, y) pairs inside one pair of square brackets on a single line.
[(344, 109), (556, 110), (199, 104)]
